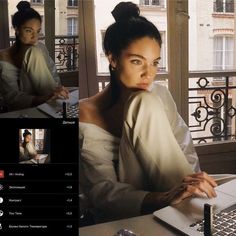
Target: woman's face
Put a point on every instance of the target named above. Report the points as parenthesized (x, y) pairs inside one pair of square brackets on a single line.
[(27, 138), (28, 33), (137, 65)]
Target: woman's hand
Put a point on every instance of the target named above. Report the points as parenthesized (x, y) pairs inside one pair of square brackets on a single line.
[(60, 92), (198, 184)]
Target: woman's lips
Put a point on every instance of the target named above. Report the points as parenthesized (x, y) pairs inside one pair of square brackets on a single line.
[(142, 86)]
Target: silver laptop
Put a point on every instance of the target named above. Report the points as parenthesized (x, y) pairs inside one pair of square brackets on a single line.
[(188, 216), (55, 107)]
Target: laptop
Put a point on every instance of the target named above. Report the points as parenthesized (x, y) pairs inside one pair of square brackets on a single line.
[(187, 216), (42, 159), (55, 108)]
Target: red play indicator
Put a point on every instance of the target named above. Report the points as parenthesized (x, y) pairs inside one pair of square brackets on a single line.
[(1, 174)]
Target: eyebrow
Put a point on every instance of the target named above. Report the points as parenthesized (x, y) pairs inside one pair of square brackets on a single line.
[(27, 27), (140, 56)]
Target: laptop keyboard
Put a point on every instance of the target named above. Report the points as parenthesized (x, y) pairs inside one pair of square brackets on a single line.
[(71, 112), (224, 223)]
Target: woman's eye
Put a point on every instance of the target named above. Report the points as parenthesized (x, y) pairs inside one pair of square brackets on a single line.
[(29, 31), (156, 63), (136, 62)]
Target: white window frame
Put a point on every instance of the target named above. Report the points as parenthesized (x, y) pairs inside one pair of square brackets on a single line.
[(72, 25), (74, 3), (37, 2), (224, 4), (151, 2), (223, 65)]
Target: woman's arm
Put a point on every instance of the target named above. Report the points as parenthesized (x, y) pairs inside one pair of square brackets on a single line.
[(199, 184), (111, 198), (58, 92), (179, 127), (13, 97), (50, 63)]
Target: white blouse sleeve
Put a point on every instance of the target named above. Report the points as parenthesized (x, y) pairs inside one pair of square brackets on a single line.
[(9, 88), (51, 64), (111, 198), (179, 127)]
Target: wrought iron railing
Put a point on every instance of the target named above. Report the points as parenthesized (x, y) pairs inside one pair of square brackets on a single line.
[(66, 52), (212, 104), (224, 7)]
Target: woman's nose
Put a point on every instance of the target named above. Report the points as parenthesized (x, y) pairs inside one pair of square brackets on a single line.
[(35, 35), (148, 71)]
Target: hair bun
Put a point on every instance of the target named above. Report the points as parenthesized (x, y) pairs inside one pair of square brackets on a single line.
[(23, 6), (26, 132), (124, 11)]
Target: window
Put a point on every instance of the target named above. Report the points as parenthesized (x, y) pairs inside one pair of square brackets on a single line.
[(151, 2), (72, 3), (37, 1), (223, 53), (72, 26), (39, 139), (229, 6), (225, 6)]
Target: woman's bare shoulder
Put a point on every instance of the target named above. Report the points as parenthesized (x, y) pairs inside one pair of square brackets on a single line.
[(4, 54), (87, 110)]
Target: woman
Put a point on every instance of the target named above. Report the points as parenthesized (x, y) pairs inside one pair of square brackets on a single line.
[(27, 149), (137, 154), (28, 75)]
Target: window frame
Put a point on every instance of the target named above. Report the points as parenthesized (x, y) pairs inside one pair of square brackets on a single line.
[(151, 3), (74, 26), (221, 6), (38, 2), (223, 51), (74, 3)]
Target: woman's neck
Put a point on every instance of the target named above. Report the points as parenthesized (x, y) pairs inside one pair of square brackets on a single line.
[(120, 100), (16, 54)]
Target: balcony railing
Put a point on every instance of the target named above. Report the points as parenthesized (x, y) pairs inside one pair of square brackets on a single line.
[(212, 104), (224, 7), (66, 52)]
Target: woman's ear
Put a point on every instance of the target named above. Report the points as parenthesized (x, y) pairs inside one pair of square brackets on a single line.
[(16, 32), (112, 60)]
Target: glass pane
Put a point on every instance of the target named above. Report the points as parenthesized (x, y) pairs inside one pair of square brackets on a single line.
[(39, 133), (103, 18), (212, 95), (229, 6), (66, 35)]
